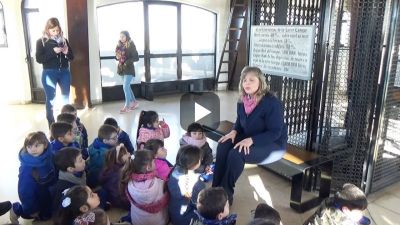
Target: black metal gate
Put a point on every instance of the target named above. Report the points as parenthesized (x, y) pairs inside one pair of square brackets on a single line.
[(337, 111), (384, 160)]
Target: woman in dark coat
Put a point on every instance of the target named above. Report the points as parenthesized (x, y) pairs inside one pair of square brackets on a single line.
[(259, 134), (54, 53), (126, 54)]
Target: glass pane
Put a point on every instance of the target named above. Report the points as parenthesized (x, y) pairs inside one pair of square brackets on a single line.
[(194, 67), (109, 76), (198, 30), (110, 25), (163, 69), (3, 34), (163, 29)]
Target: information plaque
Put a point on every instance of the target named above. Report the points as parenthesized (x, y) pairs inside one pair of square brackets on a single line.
[(283, 50)]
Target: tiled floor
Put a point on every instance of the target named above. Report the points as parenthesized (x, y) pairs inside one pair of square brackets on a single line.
[(254, 186)]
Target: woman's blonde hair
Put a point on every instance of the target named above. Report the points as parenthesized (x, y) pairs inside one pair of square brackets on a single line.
[(262, 88), (50, 24)]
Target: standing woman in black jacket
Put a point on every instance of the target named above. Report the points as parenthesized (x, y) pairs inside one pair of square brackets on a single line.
[(54, 52)]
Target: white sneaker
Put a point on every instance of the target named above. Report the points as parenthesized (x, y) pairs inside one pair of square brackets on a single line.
[(13, 216)]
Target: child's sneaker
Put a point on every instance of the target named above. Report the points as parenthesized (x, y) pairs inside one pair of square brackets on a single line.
[(13, 215), (4, 207)]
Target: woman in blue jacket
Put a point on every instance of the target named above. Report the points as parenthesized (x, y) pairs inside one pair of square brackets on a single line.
[(259, 134)]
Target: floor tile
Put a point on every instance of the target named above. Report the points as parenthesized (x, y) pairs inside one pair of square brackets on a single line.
[(389, 201), (384, 216)]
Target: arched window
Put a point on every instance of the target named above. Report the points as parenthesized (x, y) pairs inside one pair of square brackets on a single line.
[(3, 33)]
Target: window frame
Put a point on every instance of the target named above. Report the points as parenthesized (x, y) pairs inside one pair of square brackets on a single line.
[(3, 27)]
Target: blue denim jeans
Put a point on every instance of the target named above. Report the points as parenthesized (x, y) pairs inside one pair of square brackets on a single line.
[(129, 96), (50, 78)]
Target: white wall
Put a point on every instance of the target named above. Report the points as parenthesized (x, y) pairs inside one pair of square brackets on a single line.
[(15, 88), (94, 55), (14, 76)]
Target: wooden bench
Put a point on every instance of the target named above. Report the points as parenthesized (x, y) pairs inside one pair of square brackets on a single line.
[(294, 165)]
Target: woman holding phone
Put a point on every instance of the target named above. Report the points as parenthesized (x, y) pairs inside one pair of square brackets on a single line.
[(54, 53)]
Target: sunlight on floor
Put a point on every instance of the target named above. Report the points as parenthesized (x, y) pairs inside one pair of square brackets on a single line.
[(259, 189)]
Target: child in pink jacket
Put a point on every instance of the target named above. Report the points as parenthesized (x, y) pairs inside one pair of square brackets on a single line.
[(163, 167), (146, 192), (150, 128)]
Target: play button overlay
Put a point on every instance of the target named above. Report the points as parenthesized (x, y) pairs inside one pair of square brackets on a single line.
[(200, 112), (199, 107)]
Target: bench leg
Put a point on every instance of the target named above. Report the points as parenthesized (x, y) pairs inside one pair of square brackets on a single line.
[(325, 179), (324, 191), (296, 192)]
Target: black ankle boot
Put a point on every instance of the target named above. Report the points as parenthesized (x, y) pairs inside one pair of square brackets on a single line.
[(4, 207)]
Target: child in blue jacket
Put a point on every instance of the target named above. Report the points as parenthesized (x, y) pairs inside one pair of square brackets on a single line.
[(123, 137), (63, 136), (36, 175), (107, 138), (73, 120), (82, 136)]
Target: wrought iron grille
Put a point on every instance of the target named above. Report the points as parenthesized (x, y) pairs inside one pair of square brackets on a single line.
[(344, 93), (351, 87), (387, 161)]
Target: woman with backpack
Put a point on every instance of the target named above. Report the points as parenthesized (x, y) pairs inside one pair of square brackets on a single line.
[(126, 54)]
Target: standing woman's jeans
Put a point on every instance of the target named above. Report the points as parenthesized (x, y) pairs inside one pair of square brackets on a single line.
[(129, 97), (50, 79)]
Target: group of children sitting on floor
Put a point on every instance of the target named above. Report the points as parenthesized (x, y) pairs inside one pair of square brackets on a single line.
[(74, 183)]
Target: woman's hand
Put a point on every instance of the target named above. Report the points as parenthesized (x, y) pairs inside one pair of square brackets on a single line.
[(65, 50), (57, 50), (231, 135), (244, 145)]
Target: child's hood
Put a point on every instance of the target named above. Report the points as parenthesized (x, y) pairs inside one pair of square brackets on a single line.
[(148, 191), (27, 159), (99, 144)]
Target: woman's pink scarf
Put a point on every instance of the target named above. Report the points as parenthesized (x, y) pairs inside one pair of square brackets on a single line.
[(121, 50), (249, 103)]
